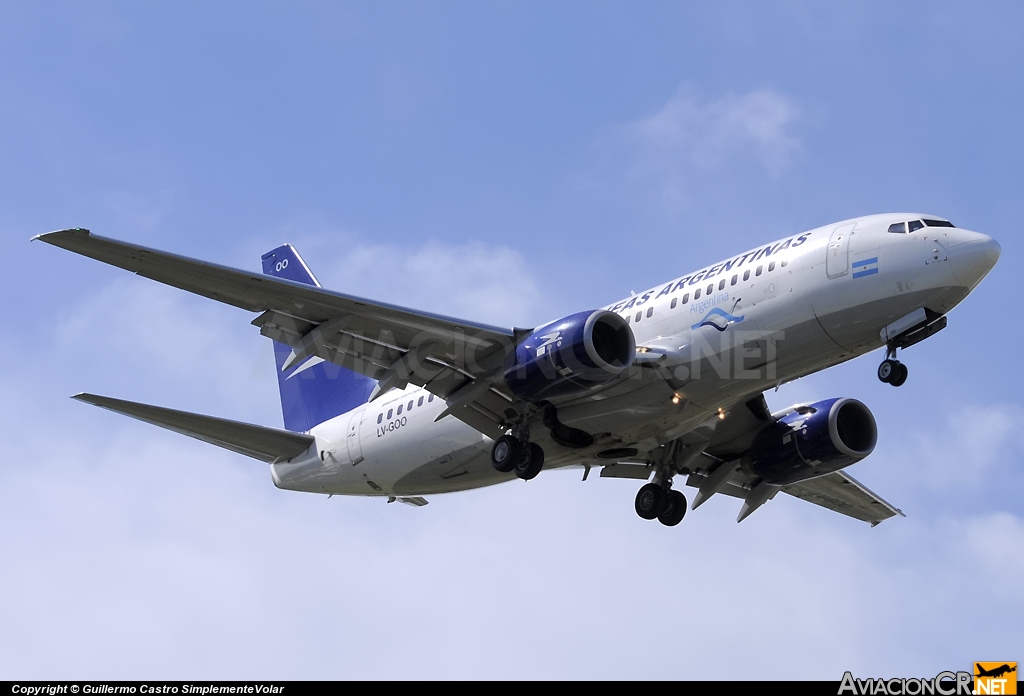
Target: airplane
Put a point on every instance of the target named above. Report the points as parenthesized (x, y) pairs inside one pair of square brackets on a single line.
[(385, 401), (995, 672)]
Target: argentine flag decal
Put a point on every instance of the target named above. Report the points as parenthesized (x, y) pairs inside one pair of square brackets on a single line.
[(865, 267)]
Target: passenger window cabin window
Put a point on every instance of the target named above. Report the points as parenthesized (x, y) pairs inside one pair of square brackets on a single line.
[(675, 300), (638, 315), (721, 284), (771, 267), (783, 263), (758, 271), (898, 228), (650, 311), (391, 412), (915, 225), (409, 407), (735, 277), (399, 410), (746, 275), (430, 398), (711, 288), (696, 294), (686, 298), (420, 402), (380, 417)]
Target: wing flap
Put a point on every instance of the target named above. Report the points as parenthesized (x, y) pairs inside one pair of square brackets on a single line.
[(842, 493), (257, 441)]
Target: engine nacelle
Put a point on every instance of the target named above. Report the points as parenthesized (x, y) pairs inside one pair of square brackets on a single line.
[(813, 440), (570, 356)]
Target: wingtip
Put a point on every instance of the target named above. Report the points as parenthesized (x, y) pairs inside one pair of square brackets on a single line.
[(50, 237)]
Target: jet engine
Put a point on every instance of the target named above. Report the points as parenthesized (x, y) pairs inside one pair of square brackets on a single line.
[(813, 440), (570, 356)]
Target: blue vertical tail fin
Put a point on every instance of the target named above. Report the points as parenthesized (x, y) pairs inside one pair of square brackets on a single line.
[(313, 390)]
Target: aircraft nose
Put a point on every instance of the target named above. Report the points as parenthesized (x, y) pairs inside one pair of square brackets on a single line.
[(972, 256)]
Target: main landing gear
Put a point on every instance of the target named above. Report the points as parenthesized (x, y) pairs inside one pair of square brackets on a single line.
[(892, 371), (658, 500), (511, 453)]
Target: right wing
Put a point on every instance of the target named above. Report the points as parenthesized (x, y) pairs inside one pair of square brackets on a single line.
[(266, 444), (456, 360)]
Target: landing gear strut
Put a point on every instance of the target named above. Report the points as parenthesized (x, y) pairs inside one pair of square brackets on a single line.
[(657, 500), (892, 371)]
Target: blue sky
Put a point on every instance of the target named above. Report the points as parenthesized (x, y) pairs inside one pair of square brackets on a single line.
[(508, 163)]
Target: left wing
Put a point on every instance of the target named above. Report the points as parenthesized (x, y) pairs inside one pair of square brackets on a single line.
[(456, 360), (716, 470), (842, 493)]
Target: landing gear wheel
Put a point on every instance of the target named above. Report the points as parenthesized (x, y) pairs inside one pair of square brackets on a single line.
[(673, 509), (888, 370), (530, 461), (901, 375), (506, 452), (649, 501)]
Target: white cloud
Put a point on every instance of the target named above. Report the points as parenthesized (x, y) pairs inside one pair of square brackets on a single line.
[(473, 281), (967, 448), (695, 149), (707, 134), (135, 339)]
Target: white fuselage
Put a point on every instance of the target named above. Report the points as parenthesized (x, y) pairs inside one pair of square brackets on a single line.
[(728, 331)]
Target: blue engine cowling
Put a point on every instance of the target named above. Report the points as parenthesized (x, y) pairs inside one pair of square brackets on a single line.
[(570, 356), (814, 440)]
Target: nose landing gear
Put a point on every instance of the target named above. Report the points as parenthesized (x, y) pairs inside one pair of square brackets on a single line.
[(892, 371)]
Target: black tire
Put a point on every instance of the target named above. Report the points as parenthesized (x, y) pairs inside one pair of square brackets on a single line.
[(530, 462), (888, 370), (900, 375), (649, 501), (505, 453), (673, 510)]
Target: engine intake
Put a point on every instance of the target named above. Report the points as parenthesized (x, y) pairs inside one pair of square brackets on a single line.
[(813, 440), (570, 356)]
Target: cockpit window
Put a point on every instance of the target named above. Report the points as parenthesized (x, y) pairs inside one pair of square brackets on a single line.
[(898, 227), (939, 223), (915, 225)]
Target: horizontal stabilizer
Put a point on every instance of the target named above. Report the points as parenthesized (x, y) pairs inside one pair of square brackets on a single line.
[(257, 441)]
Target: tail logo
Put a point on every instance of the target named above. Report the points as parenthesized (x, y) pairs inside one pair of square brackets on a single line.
[(717, 319)]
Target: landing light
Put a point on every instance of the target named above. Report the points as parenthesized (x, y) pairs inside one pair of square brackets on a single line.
[(676, 398), (721, 414)]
